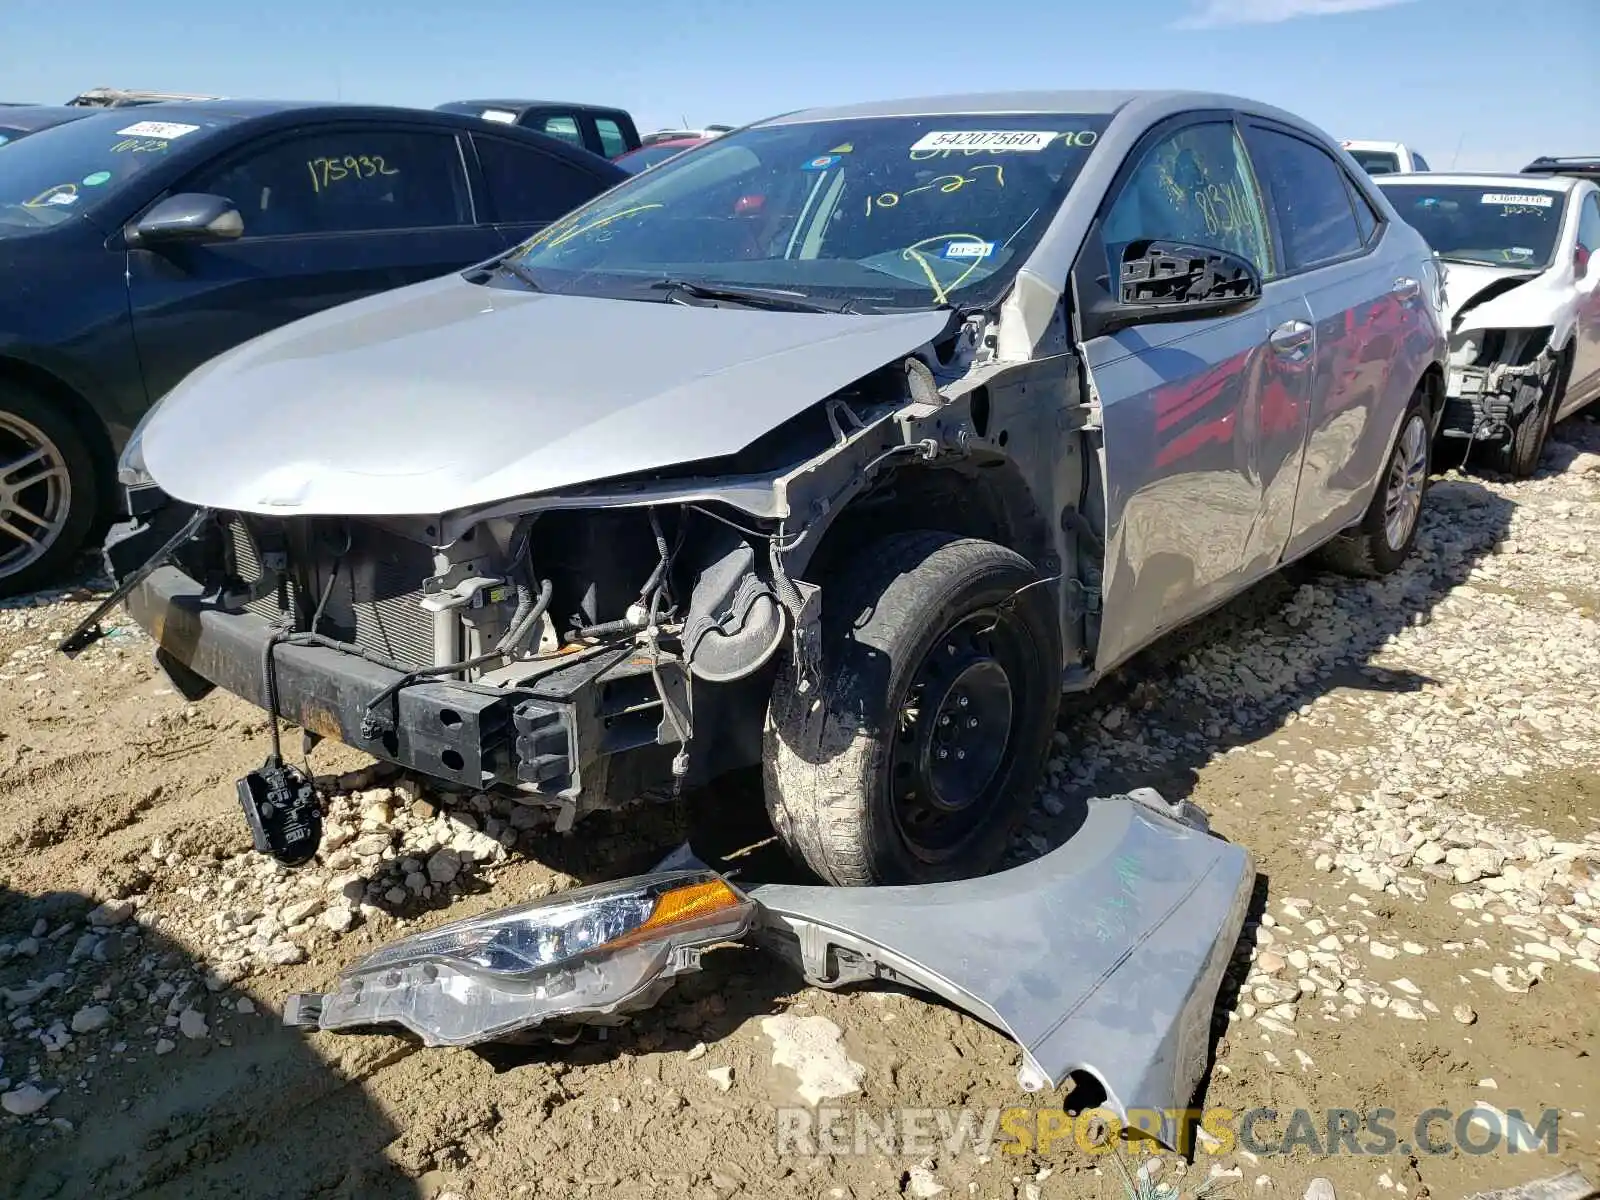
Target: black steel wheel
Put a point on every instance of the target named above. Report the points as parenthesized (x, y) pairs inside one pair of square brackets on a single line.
[(916, 754)]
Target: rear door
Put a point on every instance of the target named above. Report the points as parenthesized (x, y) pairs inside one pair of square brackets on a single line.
[(331, 214), (1364, 298), (1204, 420), (525, 188)]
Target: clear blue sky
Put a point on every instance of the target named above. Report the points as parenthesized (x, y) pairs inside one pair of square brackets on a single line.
[(1502, 80)]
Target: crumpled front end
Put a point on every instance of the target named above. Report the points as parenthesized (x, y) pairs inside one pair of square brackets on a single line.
[(1497, 378)]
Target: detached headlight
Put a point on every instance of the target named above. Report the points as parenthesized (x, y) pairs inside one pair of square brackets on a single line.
[(589, 953)]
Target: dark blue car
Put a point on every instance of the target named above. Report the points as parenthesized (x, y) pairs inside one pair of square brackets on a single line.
[(135, 244)]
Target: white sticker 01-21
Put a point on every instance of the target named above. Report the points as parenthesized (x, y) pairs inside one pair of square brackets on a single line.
[(157, 129), (985, 139), (1531, 199)]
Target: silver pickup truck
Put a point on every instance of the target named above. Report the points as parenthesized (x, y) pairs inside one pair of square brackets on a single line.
[(841, 445)]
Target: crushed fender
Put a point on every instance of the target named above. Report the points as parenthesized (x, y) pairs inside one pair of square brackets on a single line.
[(1104, 956)]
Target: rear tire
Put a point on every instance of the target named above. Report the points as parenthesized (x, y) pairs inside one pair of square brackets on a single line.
[(915, 755), (49, 491), (1388, 529)]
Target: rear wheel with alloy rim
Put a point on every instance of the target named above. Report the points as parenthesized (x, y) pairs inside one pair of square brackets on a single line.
[(48, 492), (914, 756), (1388, 529)]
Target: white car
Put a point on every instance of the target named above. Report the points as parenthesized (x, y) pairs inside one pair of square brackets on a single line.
[(1385, 158), (1522, 296)]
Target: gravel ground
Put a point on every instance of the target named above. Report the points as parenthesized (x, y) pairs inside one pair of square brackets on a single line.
[(1414, 762)]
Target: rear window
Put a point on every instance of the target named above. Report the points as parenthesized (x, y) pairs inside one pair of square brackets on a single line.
[(1376, 162)]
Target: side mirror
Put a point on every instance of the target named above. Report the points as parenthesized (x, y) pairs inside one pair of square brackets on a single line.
[(189, 218), (1174, 281), (1582, 257)]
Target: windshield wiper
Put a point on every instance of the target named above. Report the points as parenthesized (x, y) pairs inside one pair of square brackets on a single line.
[(768, 298), (517, 271)]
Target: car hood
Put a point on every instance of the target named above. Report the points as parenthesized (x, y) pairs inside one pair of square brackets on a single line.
[(448, 395), (1492, 297)]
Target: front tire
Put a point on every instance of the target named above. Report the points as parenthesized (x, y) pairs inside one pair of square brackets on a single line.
[(1388, 529), (1518, 456), (49, 491), (915, 755)]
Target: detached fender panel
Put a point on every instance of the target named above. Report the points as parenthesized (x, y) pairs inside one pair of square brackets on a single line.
[(1104, 956)]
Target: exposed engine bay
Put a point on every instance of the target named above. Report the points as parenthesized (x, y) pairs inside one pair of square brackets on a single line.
[(1497, 377), (607, 644)]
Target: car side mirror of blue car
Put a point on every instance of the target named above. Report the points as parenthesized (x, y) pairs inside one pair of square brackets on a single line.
[(187, 218), (1175, 281)]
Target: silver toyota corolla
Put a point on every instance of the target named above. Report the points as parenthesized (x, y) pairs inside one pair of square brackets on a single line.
[(841, 445)]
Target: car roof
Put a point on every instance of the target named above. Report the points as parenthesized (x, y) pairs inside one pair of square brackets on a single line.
[(290, 110), (525, 105), (31, 117), (1368, 144), (1560, 183), (974, 104)]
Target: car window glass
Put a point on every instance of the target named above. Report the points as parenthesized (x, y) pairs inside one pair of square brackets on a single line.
[(345, 181), (612, 141), (526, 185), (1366, 219), (1195, 187), (1419, 162), (1308, 198), (565, 128), (1589, 225)]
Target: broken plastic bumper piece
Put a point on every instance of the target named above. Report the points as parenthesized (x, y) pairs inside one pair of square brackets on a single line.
[(1102, 957), (587, 956)]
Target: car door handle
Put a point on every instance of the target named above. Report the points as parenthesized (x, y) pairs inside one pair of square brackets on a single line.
[(1290, 338)]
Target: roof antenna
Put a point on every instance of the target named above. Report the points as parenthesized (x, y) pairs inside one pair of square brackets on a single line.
[(1457, 154)]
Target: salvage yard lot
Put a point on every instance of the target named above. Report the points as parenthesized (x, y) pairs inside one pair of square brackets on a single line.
[(1414, 761)]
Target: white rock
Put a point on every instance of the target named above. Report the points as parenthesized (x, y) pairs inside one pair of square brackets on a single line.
[(244, 1006), (27, 1099), (921, 1183), (192, 1024), (721, 1076), (1381, 950), (1464, 1014), (90, 1018), (284, 954), (810, 1046), (338, 919), (301, 910), (111, 913), (1320, 1189), (165, 1046)]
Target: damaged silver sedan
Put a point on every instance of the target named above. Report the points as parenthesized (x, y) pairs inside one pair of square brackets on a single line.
[(841, 446)]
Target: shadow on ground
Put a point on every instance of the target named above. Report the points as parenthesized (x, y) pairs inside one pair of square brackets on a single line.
[(242, 1112)]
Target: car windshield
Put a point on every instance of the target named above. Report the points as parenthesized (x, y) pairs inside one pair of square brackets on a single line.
[(74, 168), (892, 212), (653, 155), (1377, 162), (1497, 224)]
